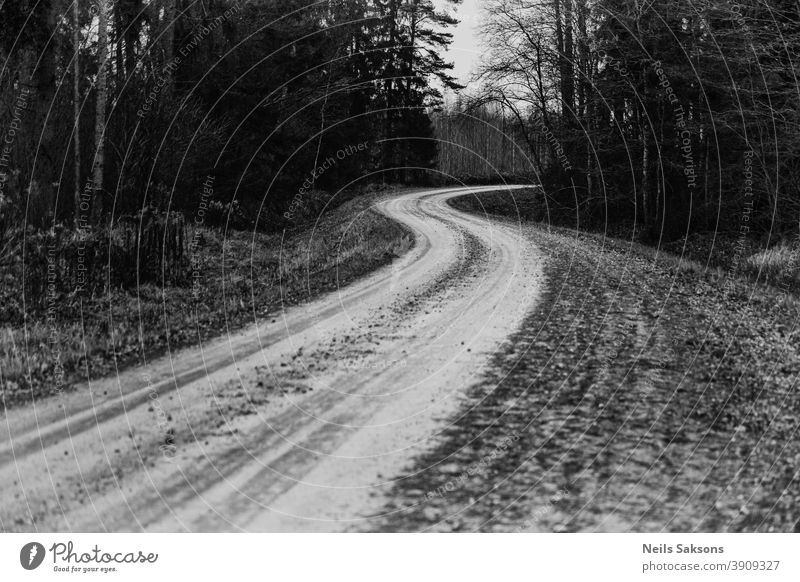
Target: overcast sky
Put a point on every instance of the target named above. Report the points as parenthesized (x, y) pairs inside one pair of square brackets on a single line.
[(465, 50)]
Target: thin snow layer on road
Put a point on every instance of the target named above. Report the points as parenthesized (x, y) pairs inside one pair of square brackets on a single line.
[(302, 423)]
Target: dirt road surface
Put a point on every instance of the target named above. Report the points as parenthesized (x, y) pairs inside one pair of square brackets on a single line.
[(303, 423)]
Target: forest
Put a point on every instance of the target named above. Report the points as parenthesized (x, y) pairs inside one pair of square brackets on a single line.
[(139, 136), (115, 107), (674, 117), (142, 140), (124, 111)]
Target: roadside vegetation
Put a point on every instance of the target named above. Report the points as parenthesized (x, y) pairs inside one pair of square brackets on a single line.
[(715, 255), (232, 278)]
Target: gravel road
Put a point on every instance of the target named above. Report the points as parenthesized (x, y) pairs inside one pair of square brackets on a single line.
[(305, 422), (638, 395), (497, 377)]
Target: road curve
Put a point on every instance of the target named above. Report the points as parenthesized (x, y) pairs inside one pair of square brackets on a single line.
[(302, 423)]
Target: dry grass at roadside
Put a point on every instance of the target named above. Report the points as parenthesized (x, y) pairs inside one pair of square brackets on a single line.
[(238, 278), (714, 257), (779, 265)]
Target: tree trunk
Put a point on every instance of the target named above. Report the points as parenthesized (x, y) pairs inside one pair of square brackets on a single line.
[(169, 45), (560, 51), (584, 68), (568, 67), (131, 22), (119, 67), (100, 108), (76, 98), (645, 175)]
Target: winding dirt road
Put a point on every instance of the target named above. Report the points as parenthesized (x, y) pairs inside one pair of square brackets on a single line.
[(302, 423)]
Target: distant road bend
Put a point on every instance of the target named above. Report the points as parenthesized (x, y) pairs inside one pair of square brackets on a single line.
[(301, 423)]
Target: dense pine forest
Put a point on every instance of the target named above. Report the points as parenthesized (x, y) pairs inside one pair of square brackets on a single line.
[(678, 117), (137, 135), (111, 108), (672, 117)]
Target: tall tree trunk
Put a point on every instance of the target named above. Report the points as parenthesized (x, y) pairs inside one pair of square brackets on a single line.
[(584, 59), (100, 108), (39, 73), (590, 124), (585, 98), (411, 49), (169, 45), (568, 64), (131, 21), (76, 104), (560, 51), (645, 175), (706, 169), (389, 87), (119, 67)]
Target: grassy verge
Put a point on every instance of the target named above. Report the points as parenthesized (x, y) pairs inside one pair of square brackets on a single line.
[(237, 278), (714, 255), (517, 204)]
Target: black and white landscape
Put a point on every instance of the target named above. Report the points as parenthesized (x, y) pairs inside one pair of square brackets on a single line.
[(399, 265)]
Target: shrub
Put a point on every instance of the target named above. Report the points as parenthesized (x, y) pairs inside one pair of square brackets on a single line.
[(228, 215), (147, 247), (779, 265)]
